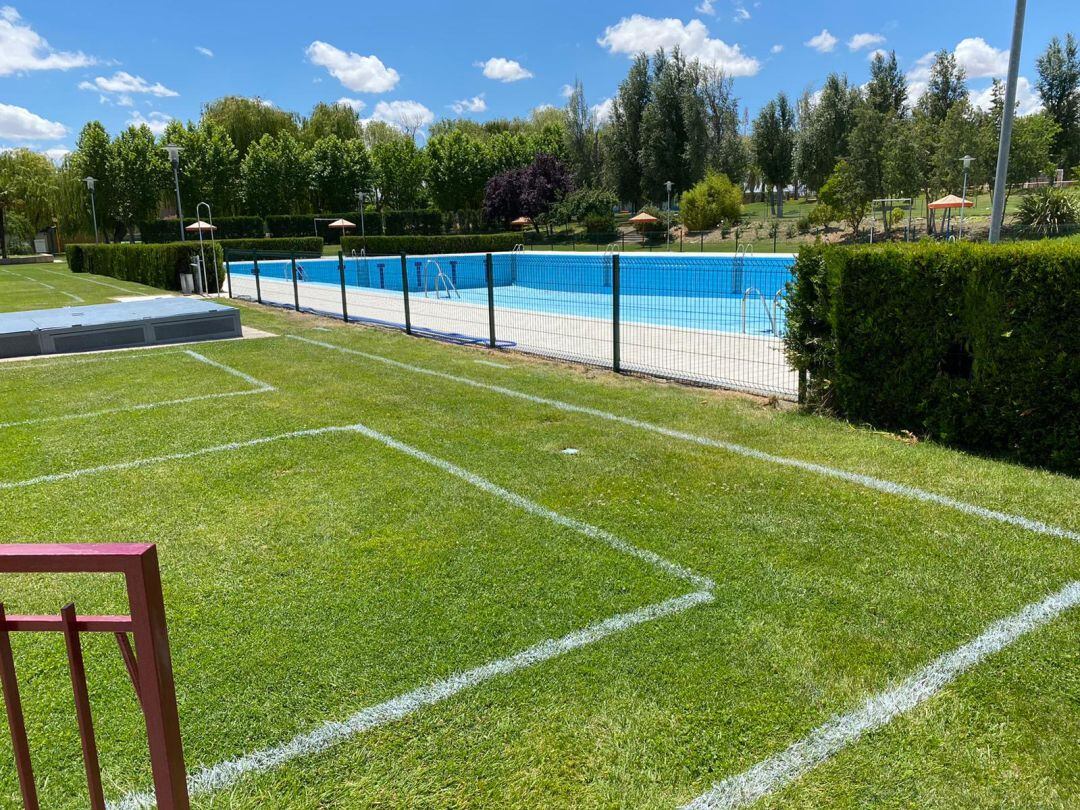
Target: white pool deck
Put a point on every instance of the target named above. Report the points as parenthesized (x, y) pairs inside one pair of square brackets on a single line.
[(751, 363)]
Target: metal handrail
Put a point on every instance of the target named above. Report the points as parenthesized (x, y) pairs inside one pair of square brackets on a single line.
[(751, 291), (447, 283)]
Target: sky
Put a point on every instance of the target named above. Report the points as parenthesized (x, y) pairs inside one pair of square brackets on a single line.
[(65, 62)]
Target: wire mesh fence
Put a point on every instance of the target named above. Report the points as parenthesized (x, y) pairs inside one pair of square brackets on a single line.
[(708, 319)]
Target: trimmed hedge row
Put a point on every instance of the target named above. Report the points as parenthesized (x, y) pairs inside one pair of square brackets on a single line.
[(973, 345), (155, 265), (421, 221), (166, 230), (302, 244), (427, 245)]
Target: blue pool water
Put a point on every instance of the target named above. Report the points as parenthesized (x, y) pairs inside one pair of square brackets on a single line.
[(698, 291)]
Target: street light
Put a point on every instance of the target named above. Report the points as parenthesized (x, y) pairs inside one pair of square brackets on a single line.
[(967, 160), (669, 185), (174, 158), (360, 201), (90, 183)]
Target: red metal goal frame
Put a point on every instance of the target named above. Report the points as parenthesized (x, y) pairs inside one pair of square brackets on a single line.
[(150, 665)]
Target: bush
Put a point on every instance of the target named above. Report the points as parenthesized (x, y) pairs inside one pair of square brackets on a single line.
[(713, 202), (973, 345), (428, 245), (167, 230), (155, 265), (600, 224), (803, 226), (299, 244), (1045, 211)]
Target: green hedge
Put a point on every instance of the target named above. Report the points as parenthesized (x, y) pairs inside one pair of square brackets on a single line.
[(972, 345), (428, 245), (300, 244), (166, 230), (155, 265)]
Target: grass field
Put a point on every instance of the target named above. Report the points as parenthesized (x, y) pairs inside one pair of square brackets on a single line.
[(388, 584)]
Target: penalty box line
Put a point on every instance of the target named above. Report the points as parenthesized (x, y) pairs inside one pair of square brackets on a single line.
[(72, 296), (259, 387), (870, 482), (227, 773)]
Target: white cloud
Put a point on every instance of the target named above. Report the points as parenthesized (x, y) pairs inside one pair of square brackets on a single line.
[(874, 54), (776, 49), (602, 111), (504, 70), (980, 59), (705, 7), (209, 54), (860, 41), (23, 49), (823, 42), (1027, 99), (57, 153), (640, 34), (567, 90), (19, 124), (741, 14), (409, 116), (356, 104), (362, 74), (157, 121), (476, 104), (543, 108), (123, 84)]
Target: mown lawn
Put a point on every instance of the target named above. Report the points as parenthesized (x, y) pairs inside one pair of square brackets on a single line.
[(311, 577)]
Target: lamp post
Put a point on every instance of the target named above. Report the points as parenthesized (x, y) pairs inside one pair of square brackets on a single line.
[(360, 202), (997, 213), (967, 160), (669, 185), (90, 183), (174, 158)]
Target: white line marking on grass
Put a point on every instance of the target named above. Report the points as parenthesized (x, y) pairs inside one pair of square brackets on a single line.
[(81, 358), (262, 386), (86, 278), (72, 296), (823, 742), (879, 484), (492, 364), (225, 774)]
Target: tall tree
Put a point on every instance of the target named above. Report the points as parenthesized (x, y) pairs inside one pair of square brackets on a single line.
[(624, 146), (209, 166), (946, 87), (247, 120), (275, 175), (774, 144), (582, 142), (1059, 89), (673, 136), (823, 135), (140, 169), (887, 90), (337, 119), (509, 150), (400, 169), (457, 170), (726, 152), (338, 170), (28, 183), (92, 159)]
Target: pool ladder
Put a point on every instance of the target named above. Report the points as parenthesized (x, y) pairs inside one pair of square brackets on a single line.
[(771, 312), (443, 282), (738, 265), (357, 258)]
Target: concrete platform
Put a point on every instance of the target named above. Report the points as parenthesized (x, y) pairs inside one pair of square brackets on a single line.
[(115, 326)]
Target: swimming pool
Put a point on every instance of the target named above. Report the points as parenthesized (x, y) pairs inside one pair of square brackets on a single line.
[(719, 292)]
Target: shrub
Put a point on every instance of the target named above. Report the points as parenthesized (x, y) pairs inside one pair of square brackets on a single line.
[(804, 225), (600, 224), (711, 203), (167, 230), (973, 345), (428, 245), (1045, 211), (155, 265)]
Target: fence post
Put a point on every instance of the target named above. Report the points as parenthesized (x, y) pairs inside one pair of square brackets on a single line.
[(295, 287), (255, 272), (616, 360), (344, 301), (16, 721), (228, 277), (489, 269), (405, 291)]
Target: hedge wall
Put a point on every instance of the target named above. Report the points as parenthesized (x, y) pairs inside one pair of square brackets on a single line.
[(155, 265), (425, 245), (300, 244), (972, 345), (166, 230), (398, 223)]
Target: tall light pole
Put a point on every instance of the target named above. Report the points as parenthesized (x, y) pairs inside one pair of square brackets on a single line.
[(669, 185), (90, 183), (360, 202), (174, 158), (967, 160), (997, 211)]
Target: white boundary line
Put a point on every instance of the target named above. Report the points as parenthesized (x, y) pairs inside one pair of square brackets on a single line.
[(86, 278), (83, 358), (259, 388), (72, 296), (780, 770), (870, 482)]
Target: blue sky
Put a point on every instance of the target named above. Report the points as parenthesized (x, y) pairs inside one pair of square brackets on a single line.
[(64, 62)]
